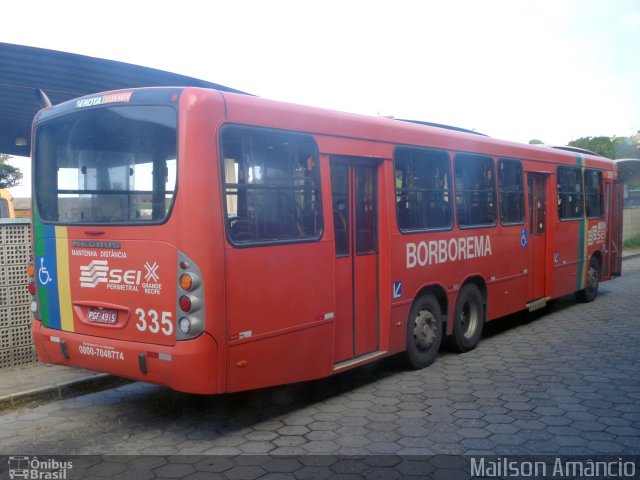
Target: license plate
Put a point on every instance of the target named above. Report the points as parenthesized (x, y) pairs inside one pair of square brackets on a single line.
[(103, 315)]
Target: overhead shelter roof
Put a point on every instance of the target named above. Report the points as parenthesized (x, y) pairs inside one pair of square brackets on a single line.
[(63, 76)]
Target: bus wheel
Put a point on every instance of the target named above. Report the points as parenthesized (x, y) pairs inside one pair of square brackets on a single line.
[(593, 280), (468, 319), (424, 331)]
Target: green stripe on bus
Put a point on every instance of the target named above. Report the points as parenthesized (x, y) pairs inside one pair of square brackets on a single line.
[(38, 233)]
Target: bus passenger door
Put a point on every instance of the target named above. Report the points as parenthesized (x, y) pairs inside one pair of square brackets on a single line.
[(615, 233), (607, 252), (537, 190), (355, 219)]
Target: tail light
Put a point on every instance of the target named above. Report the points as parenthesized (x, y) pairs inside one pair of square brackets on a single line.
[(33, 289), (185, 304), (190, 307)]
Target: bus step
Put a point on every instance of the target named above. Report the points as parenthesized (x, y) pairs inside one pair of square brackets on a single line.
[(537, 304), (355, 361)]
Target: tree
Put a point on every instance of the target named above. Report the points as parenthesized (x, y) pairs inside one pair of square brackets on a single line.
[(535, 141), (625, 147), (10, 176), (600, 145), (610, 147)]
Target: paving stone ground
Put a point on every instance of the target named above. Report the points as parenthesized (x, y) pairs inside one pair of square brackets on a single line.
[(561, 381)]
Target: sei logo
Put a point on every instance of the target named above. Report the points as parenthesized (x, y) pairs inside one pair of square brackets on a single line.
[(98, 272)]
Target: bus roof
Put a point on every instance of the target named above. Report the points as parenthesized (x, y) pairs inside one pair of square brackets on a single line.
[(319, 121), (327, 122)]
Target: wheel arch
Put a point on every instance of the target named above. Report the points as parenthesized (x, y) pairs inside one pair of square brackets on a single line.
[(482, 286), (440, 294)]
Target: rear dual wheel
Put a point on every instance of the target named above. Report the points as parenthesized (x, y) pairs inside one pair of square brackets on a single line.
[(468, 318), (589, 293), (425, 327), (424, 331)]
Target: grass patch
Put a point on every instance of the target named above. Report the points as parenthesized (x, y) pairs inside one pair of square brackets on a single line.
[(633, 242)]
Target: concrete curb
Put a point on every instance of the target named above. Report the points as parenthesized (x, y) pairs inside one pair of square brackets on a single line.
[(94, 383)]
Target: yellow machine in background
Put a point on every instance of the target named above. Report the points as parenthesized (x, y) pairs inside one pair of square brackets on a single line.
[(6, 204)]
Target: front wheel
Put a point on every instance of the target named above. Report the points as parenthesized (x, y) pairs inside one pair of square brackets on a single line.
[(424, 331), (593, 281), (468, 319)]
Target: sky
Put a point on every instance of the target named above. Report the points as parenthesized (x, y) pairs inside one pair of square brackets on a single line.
[(553, 70)]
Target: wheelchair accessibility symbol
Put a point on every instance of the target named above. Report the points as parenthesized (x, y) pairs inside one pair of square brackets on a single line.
[(524, 238), (43, 273)]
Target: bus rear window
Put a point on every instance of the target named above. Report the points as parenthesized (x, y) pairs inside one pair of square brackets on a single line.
[(107, 165)]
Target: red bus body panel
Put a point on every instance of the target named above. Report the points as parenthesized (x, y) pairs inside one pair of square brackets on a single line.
[(285, 313)]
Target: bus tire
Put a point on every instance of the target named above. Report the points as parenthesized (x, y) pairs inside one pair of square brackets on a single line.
[(589, 293), (468, 319), (424, 331)]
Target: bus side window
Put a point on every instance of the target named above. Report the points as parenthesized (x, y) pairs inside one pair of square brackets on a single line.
[(570, 200), (271, 185), (475, 190), (511, 191), (594, 200), (422, 181), (340, 201)]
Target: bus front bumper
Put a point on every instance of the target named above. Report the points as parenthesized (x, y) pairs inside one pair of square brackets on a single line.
[(188, 366)]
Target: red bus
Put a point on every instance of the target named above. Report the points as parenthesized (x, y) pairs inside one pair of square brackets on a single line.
[(216, 242)]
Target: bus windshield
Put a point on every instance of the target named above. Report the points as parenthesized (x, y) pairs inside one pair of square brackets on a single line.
[(107, 166)]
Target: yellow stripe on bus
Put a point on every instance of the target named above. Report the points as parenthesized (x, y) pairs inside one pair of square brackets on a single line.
[(64, 289), (584, 236)]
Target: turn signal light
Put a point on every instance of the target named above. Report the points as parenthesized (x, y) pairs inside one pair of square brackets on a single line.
[(31, 270), (186, 282)]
